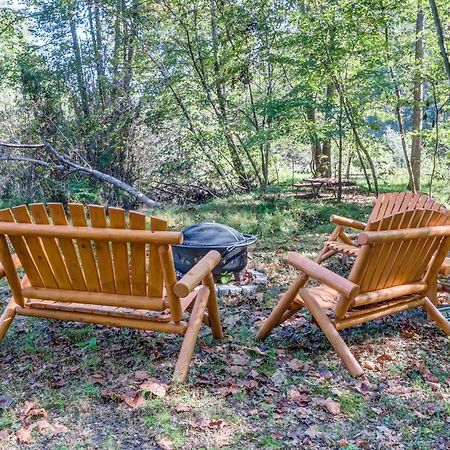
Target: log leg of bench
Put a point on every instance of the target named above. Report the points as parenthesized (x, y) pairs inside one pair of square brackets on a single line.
[(436, 316), (7, 317), (283, 305), (191, 335), (333, 336), (213, 308)]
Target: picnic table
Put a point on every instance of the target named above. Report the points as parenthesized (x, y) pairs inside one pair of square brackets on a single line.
[(316, 185)]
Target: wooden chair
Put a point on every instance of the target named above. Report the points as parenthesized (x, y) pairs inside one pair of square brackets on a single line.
[(385, 205), (394, 271), (105, 271)]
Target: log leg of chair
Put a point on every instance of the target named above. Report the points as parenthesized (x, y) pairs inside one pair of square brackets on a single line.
[(213, 308), (283, 305), (7, 317), (288, 314), (333, 336), (436, 316), (191, 335), (432, 292)]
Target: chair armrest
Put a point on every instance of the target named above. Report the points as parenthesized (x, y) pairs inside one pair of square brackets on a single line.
[(194, 277), (331, 279), (17, 264), (344, 221)]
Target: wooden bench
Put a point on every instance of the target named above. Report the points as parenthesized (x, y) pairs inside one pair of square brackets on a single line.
[(105, 268)]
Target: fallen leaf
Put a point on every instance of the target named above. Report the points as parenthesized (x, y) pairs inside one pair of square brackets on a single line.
[(183, 408), (228, 390), (294, 395), (141, 375), (110, 395), (165, 444), (32, 410), (133, 399), (24, 434), (426, 373), (331, 406), (296, 364), (43, 426), (155, 387)]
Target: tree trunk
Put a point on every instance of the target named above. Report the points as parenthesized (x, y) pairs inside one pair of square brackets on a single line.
[(97, 46), (78, 61), (326, 147), (416, 146), (440, 36)]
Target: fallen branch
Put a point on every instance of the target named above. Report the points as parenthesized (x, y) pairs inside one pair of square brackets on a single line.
[(68, 163)]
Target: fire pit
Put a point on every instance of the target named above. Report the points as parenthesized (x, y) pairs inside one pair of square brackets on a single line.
[(199, 239)]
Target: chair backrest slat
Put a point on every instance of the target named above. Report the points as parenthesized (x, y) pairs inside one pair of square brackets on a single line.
[(120, 252), (397, 262), (138, 256), (394, 202), (155, 275), (36, 249), (102, 249), (124, 258), (51, 247), (22, 252), (78, 217), (69, 252)]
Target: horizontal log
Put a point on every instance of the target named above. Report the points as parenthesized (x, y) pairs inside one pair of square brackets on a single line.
[(345, 221), (382, 312), (97, 234), (373, 237), (16, 262), (96, 298), (100, 319), (195, 276), (331, 279), (392, 292)]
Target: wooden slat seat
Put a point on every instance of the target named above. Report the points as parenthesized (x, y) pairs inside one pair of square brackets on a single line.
[(342, 248), (102, 268), (395, 270)]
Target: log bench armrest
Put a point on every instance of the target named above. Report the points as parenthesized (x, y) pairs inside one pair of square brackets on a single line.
[(346, 222), (320, 273), (194, 277), (17, 265)]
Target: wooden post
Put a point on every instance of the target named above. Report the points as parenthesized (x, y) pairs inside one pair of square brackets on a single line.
[(7, 317), (11, 273), (191, 335), (170, 279), (213, 308), (333, 336), (434, 314), (283, 305)]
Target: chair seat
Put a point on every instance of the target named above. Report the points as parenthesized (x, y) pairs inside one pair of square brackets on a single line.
[(325, 296), (343, 248), (327, 299), (131, 313)]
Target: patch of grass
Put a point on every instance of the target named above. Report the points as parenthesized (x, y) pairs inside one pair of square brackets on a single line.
[(271, 442), (353, 404)]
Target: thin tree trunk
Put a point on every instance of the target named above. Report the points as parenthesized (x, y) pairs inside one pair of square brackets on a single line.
[(440, 36), (436, 144), (416, 146), (78, 61), (339, 193), (326, 147), (398, 111)]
